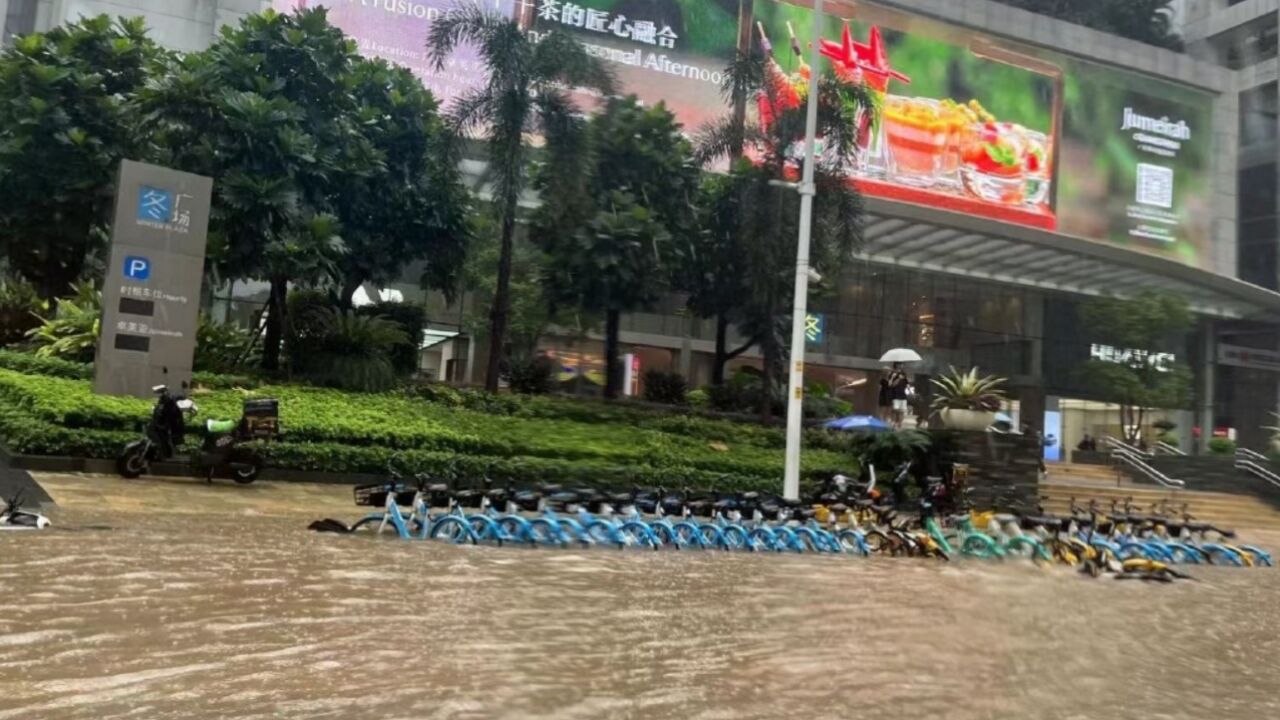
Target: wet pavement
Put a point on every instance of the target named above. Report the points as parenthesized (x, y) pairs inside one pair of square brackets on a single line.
[(171, 599)]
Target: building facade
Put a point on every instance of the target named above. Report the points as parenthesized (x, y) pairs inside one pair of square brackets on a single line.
[(1153, 170)]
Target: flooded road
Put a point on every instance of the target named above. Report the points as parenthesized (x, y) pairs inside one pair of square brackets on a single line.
[(169, 599)]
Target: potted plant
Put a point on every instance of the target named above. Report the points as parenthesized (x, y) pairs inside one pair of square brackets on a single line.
[(967, 401)]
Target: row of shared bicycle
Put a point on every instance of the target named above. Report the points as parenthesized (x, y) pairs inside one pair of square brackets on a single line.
[(843, 517)]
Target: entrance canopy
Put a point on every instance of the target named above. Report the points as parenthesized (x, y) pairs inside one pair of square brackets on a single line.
[(923, 238)]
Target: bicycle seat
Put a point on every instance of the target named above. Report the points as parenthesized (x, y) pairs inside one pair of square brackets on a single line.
[(620, 498), (563, 497), (864, 503), (955, 519), (550, 488), (750, 496), (838, 508), (1045, 521), (806, 513)]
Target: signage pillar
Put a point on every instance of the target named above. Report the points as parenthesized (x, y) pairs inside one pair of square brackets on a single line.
[(151, 291)]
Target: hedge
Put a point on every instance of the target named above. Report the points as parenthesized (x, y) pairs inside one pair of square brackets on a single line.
[(332, 430)]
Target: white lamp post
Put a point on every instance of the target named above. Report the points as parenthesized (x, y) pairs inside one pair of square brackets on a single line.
[(800, 307)]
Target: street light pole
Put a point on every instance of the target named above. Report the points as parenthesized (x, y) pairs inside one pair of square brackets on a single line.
[(800, 307)]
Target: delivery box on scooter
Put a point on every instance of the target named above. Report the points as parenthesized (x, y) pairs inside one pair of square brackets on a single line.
[(262, 418)]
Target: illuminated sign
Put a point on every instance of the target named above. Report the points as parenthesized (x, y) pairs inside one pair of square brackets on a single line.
[(1158, 361), (815, 328), (964, 121)]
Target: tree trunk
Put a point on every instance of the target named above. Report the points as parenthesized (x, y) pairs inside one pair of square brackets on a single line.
[(769, 354), (501, 297), (612, 368), (348, 291), (722, 350), (278, 304)]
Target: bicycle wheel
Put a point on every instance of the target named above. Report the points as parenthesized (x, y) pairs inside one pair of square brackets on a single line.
[(516, 528), (1186, 554), (545, 532), (486, 529), (452, 528), (603, 533), (981, 546), (851, 541), (1026, 547), (666, 535), (1222, 555), (735, 538), (712, 537), (764, 539), (879, 543), (807, 541), (1261, 557), (689, 534), (638, 534), (787, 539)]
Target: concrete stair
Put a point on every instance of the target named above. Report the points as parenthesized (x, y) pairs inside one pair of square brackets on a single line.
[(1085, 482)]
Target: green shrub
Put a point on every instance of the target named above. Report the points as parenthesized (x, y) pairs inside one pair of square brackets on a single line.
[(20, 306), (71, 333), (223, 347), (351, 351), (32, 364), (412, 321), (667, 388), (1222, 446), (698, 399), (1170, 439), (535, 376), (62, 416)]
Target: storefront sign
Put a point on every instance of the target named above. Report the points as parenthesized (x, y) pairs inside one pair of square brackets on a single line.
[(151, 292), (1158, 361), (1249, 357), (815, 328)]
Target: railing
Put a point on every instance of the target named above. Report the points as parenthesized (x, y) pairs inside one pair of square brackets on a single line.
[(1250, 461), (1118, 444), (1247, 454), (1167, 449), (1137, 460)]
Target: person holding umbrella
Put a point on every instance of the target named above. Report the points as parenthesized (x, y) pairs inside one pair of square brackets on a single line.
[(895, 387)]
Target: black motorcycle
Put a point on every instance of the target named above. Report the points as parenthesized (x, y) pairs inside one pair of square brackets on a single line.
[(221, 451)]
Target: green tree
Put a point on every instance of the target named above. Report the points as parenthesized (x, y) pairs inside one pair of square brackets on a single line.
[(712, 270), (530, 312), (1141, 329), (765, 213), (609, 219), (525, 93), (412, 207), (64, 127), (269, 111)]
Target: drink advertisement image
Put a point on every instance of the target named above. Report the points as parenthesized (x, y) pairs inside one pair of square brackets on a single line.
[(961, 121)]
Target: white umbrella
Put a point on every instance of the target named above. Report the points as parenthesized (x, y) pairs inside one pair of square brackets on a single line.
[(904, 355)]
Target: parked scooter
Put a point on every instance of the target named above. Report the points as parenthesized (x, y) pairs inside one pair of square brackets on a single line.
[(13, 517), (221, 452)]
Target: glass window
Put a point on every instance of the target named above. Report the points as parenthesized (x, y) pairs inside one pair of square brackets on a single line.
[(19, 20), (1258, 114), (1248, 44)]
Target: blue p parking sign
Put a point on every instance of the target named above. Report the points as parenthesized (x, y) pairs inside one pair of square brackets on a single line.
[(137, 268)]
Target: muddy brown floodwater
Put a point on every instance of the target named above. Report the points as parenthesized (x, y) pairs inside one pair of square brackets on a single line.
[(168, 599)]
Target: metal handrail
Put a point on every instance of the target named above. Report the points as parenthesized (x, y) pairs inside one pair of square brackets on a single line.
[(1118, 444), (1248, 454), (1169, 449), (1258, 471), (1137, 461)]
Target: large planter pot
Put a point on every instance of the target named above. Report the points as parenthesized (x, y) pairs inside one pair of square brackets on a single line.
[(957, 419)]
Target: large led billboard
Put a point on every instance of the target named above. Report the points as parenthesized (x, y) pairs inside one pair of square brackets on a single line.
[(965, 121)]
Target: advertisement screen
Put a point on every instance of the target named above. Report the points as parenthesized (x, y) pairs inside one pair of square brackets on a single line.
[(396, 31), (964, 121)]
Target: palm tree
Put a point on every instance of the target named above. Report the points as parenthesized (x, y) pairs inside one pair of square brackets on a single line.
[(525, 93), (762, 154)]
